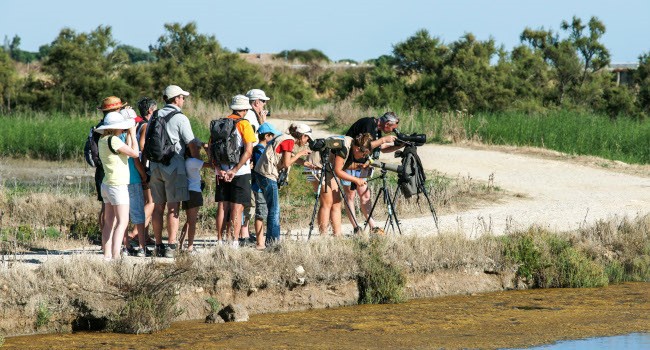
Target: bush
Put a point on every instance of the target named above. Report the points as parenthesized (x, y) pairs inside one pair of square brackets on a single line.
[(379, 281), (43, 315)]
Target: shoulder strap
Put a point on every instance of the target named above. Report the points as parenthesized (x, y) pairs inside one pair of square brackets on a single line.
[(171, 114), (110, 146)]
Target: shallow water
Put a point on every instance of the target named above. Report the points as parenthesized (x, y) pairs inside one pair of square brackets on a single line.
[(635, 341), (494, 320)]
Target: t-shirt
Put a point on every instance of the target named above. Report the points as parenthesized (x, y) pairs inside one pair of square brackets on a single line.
[(251, 116), (116, 166), (245, 135), (366, 125), (134, 174), (193, 167), (285, 146)]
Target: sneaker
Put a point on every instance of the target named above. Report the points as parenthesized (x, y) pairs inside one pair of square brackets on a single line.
[(170, 251), (160, 250), (357, 230), (125, 252), (235, 244), (252, 238), (141, 253)]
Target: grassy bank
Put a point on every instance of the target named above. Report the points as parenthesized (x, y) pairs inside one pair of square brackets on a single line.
[(83, 291)]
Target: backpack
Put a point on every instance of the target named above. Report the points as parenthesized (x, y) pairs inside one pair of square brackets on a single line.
[(91, 151), (157, 145), (412, 178), (225, 145)]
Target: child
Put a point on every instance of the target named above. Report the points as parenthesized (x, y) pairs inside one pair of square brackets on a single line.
[(193, 168), (266, 133)]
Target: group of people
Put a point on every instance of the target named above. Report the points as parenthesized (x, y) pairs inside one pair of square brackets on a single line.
[(132, 187)]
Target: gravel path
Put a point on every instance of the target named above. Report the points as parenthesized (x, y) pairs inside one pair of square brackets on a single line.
[(555, 194)]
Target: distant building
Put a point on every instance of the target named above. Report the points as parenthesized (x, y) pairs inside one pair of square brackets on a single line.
[(624, 72)]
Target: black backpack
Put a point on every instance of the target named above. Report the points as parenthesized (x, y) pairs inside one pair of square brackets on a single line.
[(157, 146), (225, 147), (91, 151)]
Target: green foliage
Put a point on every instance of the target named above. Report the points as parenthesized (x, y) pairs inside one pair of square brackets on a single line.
[(545, 260), (135, 54), (214, 304), (17, 54), (380, 281), (304, 56), (43, 315), (8, 78)]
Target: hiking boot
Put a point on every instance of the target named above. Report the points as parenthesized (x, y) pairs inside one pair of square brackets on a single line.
[(170, 251), (141, 253)]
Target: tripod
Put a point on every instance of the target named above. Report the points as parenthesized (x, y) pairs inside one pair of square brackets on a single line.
[(327, 169), (390, 204)]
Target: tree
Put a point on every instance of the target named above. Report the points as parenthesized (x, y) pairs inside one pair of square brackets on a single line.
[(7, 81), (136, 55), (642, 79), (419, 54), (594, 55)]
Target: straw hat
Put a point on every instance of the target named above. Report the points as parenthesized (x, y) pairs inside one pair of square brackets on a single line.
[(111, 103)]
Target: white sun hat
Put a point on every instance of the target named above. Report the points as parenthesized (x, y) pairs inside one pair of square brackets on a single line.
[(240, 103), (115, 120)]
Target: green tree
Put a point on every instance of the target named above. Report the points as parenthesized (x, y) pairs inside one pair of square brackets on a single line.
[(82, 69), (420, 53), (594, 55), (304, 56), (135, 54), (8, 80), (642, 79)]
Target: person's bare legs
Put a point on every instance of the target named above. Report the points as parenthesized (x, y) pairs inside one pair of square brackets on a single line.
[(157, 221), (121, 221), (350, 211), (325, 209), (107, 229), (190, 226), (335, 216), (365, 202), (236, 210), (148, 211), (172, 221), (259, 233)]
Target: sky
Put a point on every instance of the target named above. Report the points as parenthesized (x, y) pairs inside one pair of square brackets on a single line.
[(341, 29)]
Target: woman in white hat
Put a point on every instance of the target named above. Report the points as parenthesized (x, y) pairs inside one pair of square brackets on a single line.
[(114, 154)]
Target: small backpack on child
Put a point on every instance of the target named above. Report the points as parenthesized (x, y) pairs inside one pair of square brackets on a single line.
[(225, 145)]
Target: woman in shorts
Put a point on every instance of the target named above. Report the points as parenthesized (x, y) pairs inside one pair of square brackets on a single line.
[(114, 154), (193, 168)]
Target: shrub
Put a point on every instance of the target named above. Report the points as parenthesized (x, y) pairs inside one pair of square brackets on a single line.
[(43, 315), (380, 281), (149, 293)]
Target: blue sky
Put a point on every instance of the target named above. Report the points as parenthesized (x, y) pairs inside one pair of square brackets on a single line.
[(358, 30)]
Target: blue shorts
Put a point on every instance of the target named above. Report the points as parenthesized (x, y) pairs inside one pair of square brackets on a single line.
[(354, 173), (136, 204)]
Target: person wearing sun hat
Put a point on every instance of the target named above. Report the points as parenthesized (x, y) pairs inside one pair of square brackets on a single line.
[(278, 156), (114, 154), (234, 180), (168, 183), (109, 104)]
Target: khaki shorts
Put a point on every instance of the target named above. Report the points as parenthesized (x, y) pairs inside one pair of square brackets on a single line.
[(168, 188)]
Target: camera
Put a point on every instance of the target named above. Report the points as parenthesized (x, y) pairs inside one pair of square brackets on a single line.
[(328, 143), (414, 138)]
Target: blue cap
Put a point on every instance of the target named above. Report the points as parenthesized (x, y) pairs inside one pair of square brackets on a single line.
[(268, 128)]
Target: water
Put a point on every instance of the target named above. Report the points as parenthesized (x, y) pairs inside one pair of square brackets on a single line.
[(634, 341), (512, 319)]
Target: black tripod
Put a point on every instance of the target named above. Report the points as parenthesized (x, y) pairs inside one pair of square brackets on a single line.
[(326, 168), (390, 204)]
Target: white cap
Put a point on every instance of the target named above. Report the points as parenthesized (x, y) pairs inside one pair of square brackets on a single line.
[(240, 103), (174, 90), (257, 94), (303, 129)]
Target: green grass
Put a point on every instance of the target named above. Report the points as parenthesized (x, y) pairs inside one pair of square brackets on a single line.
[(622, 139)]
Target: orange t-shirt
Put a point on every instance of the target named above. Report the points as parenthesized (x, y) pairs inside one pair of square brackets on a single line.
[(245, 129)]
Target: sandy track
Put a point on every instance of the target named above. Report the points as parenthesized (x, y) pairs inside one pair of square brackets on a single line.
[(556, 194)]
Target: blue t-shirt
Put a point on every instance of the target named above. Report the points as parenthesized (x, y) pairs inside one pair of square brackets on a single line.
[(134, 175), (257, 153)]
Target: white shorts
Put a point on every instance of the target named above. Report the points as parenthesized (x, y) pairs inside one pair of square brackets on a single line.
[(115, 194)]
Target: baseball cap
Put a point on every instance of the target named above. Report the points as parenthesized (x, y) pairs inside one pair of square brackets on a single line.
[(174, 90), (268, 128), (257, 94)]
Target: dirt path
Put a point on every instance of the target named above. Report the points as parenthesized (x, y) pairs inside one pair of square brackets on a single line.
[(556, 194)]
